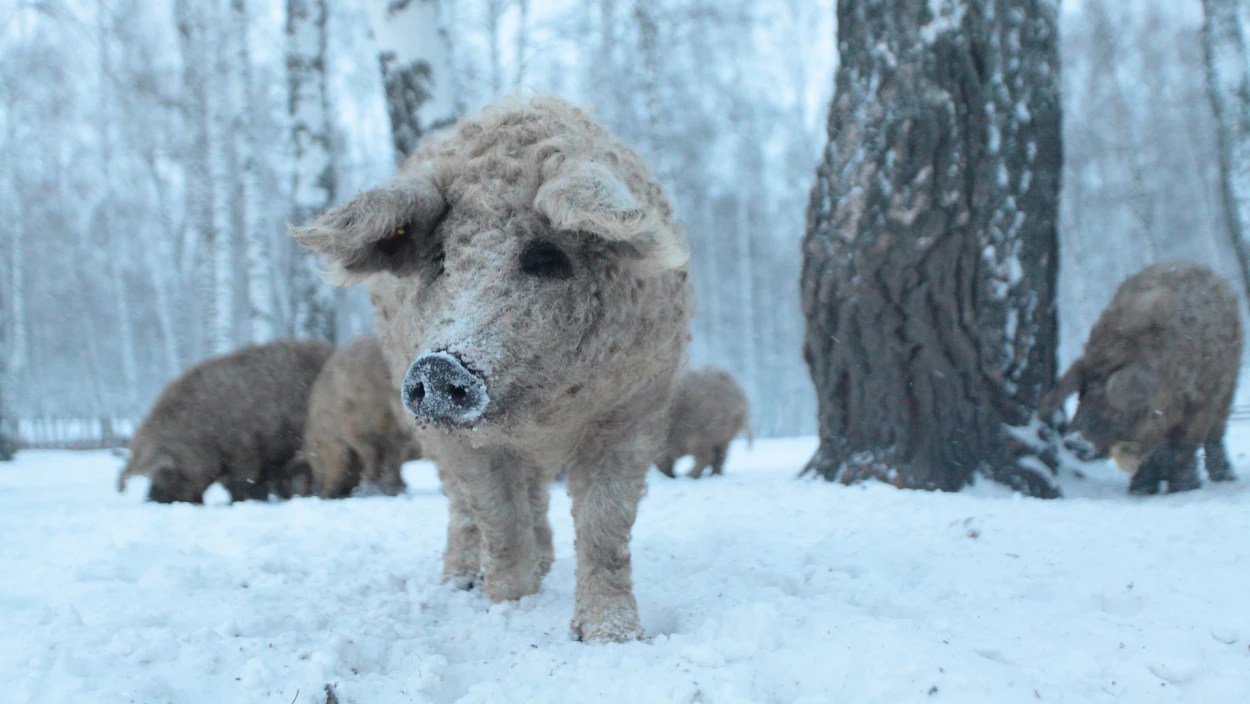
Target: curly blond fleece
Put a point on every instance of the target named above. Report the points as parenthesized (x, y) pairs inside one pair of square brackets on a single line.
[(577, 364)]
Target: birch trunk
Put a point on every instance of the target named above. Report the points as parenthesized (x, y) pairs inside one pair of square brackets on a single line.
[(199, 182), (313, 188), (224, 168), (257, 240), (112, 248), (522, 42), (414, 57)]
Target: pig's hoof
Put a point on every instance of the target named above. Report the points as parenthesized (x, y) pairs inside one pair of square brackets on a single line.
[(464, 581), (609, 625), (1224, 475), (1185, 484)]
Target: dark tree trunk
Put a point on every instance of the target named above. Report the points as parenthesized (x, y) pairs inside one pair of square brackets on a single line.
[(931, 251)]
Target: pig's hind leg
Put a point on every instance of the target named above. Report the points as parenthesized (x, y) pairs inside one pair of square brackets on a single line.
[(1219, 469)]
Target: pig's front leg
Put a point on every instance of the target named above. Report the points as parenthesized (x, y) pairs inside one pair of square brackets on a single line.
[(462, 562), (605, 503), (499, 495)]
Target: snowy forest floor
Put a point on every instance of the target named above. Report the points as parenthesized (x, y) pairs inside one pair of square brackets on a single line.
[(754, 587)]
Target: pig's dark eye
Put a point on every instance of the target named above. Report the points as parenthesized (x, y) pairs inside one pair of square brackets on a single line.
[(546, 261)]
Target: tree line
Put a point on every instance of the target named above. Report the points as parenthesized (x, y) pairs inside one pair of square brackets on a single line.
[(157, 151)]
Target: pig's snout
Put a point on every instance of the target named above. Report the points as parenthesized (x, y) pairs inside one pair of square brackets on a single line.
[(439, 388)]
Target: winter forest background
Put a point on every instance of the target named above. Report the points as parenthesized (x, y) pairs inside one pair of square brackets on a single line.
[(149, 167)]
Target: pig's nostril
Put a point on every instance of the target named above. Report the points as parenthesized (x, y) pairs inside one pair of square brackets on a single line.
[(439, 387)]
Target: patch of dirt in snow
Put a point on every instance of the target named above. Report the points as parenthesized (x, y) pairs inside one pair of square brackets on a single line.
[(754, 587)]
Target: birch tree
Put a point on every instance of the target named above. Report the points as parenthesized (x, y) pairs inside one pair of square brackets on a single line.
[(414, 58), (6, 385), (111, 248), (931, 249), (1226, 40), (494, 18), (257, 239), (522, 41), (9, 349), (192, 44), (13, 341), (313, 188), (223, 167)]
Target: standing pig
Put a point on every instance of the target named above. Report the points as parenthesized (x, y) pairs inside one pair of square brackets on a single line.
[(238, 418), (709, 409), (1157, 378), (529, 285), (353, 431)]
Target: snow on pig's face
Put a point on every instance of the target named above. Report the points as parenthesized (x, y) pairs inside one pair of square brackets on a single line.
[(511, 284), (500, 327)]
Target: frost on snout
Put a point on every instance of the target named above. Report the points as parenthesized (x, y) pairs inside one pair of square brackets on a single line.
[(440, 389)]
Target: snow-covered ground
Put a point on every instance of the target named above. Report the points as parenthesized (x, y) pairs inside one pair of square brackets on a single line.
[(754, 587)]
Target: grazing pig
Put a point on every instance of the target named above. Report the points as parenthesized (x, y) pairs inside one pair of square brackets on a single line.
[(529, 284), (354, 431), (238, 419), (1157, 377), (709, 409)]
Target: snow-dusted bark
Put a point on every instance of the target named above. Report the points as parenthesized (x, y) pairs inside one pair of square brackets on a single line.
[(416, 68), (192, 43), (931, 250), (314, 185), (257, 238), (1226, 39)]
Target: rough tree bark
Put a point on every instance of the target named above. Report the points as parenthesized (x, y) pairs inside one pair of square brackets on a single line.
[(1226, 40), (931, 251), (416, 69), (314, 186)]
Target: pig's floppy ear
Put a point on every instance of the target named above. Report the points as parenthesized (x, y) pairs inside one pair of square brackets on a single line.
[(384, 229), (588, 197)]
